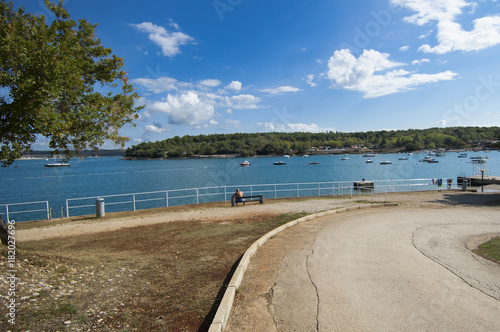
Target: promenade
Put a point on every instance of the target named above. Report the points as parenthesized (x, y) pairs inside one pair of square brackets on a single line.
[(387, 269)]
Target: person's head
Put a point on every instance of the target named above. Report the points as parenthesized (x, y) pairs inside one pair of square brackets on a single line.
[(237, 190)]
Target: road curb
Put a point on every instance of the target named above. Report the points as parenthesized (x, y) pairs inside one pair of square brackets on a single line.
[(222, 315)]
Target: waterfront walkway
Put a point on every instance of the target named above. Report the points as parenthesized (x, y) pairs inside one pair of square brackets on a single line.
[(390, 269)]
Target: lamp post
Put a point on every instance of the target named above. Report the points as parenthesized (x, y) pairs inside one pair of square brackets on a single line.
[(482, 180)]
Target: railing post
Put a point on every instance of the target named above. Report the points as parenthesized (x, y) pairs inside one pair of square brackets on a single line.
[(197, 198), (48, 210), (133, 200), (7, 212), (67, 209), (225, 193), (275, 192), (166, 197)]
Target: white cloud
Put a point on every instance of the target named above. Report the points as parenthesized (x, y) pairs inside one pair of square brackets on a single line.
[(450, 35), (234, 85), (442, 123), (404, 48), (210, 83), (309, 80), (419, 62), (184, 109), (347, 72), (158, 85), (241, 102), (169, 42), (291, 127), (154, 129), (280, 90)]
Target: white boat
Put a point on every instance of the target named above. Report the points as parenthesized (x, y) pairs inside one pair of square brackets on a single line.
[(245, 163), (279, 163), (479, 159), (385, 162), (344, 158), (55, 164), (403, 158), (429, 159), (286, 156), (369, 155), (369, 161), (462, 155)]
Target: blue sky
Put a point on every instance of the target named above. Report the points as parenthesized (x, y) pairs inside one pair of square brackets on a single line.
[(226, 66)]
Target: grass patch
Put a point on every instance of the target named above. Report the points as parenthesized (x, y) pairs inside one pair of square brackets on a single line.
[(157, 277), (490, 250)]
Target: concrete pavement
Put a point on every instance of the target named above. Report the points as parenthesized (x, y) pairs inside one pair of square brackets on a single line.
[(374, 270)]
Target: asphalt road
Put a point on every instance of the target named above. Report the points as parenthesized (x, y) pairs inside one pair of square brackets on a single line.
[(384, 270)]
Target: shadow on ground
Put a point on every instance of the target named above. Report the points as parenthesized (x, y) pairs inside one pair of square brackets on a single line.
[(470, 199)]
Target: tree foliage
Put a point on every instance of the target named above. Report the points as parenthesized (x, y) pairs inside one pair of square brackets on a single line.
[(51, 82), (299, 143)]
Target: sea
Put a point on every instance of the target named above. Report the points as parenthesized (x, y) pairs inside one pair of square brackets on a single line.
[(30, 181)]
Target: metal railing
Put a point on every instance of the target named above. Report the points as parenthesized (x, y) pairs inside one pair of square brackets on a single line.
[(166, 198), (11, 209)]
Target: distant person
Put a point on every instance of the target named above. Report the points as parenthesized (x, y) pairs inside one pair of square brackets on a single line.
[(238, 197)]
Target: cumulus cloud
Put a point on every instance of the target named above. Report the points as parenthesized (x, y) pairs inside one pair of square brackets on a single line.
[(291, 127), (419, 62), (234, 85), (154, 129), (158, 85), (184, 109), (169, 42), (310, 79), (241, 102), (450, 34), (210, 83), (280, 90), (345, 71)]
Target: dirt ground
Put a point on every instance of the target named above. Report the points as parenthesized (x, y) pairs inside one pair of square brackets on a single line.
[(161, 269)]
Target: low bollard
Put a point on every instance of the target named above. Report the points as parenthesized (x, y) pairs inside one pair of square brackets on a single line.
[(99, 208)]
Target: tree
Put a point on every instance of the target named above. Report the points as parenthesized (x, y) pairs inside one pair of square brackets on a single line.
[(50, 75)]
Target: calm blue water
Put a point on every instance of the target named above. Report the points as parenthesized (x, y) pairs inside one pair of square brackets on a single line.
[(29, 180)]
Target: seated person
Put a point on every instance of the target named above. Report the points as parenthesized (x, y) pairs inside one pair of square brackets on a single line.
[(238, 197)]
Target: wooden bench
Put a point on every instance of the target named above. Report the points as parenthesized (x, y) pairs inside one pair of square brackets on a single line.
[(257, 198)]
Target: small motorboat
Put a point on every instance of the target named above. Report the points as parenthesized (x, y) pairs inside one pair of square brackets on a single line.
[(56, 164), (314, 163), (344, 158), (403, 158), (245, 163), (462, 155), (369, 154), (286, 156), (279, 163), (429, 159), (369, 161), (385, 162)]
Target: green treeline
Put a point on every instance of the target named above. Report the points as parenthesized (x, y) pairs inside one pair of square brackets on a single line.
[(299, 143)]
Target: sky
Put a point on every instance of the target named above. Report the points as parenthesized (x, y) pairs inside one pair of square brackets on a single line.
[(241, 66)]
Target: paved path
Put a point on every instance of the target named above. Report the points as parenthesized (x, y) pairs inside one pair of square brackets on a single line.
[(391, 269)]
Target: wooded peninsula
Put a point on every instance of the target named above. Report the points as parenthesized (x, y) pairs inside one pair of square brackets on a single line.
[(300, 143)]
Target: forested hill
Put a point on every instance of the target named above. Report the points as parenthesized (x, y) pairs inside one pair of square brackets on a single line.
[(300, 143)]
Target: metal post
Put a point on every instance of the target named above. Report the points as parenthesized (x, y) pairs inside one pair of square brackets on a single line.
[(67, 209), (275, 191), (197, 198), (48, 210), (166, 197), (225, 193), (133, 200), (7, 212), (482, 180)]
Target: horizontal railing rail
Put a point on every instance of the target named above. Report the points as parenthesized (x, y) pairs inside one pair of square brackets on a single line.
[(13, 208), (166, 198)]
